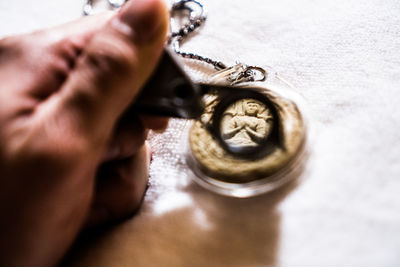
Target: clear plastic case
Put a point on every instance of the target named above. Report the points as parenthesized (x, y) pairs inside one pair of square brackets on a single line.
[(286, 141)]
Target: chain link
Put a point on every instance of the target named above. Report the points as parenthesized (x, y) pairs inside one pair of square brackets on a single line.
[(197, 16), (238, 73), (89, 5)]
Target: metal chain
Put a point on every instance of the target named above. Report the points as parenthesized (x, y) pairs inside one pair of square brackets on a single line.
[(197, 16), (238, 73), (113, 4), (195, 20)]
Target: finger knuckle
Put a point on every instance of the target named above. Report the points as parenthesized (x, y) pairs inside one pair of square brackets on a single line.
[(61, 152), (52, 145), (108, 55)]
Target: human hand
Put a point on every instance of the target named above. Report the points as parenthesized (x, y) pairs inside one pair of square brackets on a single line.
[(69, 155)]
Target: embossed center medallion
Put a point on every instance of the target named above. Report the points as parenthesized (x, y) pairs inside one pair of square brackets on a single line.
[(246, 123)]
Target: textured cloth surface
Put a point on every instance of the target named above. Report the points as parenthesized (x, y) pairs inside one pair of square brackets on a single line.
[(344, 58)]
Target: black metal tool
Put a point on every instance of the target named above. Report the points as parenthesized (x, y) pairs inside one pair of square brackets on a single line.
[(170, 92)]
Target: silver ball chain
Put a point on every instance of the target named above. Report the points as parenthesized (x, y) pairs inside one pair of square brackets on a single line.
[(238, 73), (197, 16)]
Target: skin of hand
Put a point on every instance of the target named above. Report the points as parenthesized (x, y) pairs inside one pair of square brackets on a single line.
[(70, 155)]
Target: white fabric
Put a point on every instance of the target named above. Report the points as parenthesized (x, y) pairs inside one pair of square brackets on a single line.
[(343, 57)]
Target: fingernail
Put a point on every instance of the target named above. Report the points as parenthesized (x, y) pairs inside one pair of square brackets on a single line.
[(141, 19)]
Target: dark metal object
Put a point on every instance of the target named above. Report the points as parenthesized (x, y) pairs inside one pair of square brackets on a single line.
[(170, 92)]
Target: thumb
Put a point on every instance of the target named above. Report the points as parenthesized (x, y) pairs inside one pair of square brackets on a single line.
[(113, 66)]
